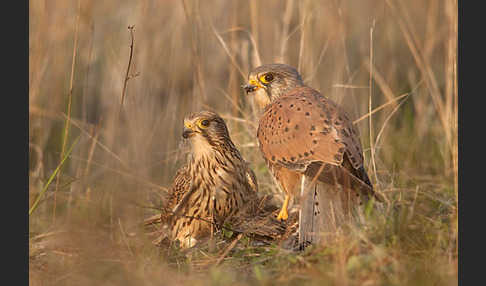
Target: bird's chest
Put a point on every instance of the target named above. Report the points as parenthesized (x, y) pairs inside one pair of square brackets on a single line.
[(225, 182), (221, 190)]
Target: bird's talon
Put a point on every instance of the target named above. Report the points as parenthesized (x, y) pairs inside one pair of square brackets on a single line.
[(283, 215)]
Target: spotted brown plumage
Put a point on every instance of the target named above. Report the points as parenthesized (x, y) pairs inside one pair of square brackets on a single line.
[(214, 185), (303, 133), (303, 127)]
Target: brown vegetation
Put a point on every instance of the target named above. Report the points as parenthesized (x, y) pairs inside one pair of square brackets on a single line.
[(395, 60)]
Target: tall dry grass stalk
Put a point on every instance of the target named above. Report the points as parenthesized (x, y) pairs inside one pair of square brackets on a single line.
[(65, 135), (398, 81)]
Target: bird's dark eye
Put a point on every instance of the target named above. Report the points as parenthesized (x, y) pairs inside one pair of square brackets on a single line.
[(204, 123), (268, 77)]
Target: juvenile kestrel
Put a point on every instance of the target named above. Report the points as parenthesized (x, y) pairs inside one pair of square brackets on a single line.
[(214, 185), (303, 133)]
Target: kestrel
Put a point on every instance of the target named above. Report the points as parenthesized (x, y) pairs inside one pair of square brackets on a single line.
[(303, 133), (214, 185)]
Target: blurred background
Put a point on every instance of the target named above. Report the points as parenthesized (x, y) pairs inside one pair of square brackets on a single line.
[(394, 59)]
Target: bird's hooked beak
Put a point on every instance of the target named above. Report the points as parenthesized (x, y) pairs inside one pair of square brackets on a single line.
[(188, 130), (252, 86)]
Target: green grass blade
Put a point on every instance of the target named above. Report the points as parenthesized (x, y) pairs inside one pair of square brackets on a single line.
[(34, 205)]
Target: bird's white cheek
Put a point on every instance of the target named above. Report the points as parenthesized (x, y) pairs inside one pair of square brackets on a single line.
[(261, 97), (200, 146)]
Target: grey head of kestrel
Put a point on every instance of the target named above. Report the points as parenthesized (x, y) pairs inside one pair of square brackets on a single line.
[(268, 82)]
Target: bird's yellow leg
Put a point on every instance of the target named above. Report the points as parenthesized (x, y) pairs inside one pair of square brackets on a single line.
[(283, 215)]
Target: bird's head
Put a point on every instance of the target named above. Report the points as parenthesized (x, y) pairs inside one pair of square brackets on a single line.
[(205, 130), (270, 81)]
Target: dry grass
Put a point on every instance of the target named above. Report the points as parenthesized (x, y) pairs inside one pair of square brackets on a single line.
[(188, 56)]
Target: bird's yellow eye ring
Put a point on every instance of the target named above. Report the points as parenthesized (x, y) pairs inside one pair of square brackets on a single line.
[(204, 123), (266, 78)]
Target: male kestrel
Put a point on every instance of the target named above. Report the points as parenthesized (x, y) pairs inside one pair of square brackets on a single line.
[(214, 185), (303, 133)]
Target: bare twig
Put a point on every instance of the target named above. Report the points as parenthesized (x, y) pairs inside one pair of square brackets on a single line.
[(378, 78), (39, 166), (233, 102), (153, 220), (47, 234), (193, 20), (94, 135), (228, 249), (252, 124), (302, 41), (124, 237), (350, 86), (252, 40), (254, 25), (287, 16), (425, 69), (319, 60), (127, 74), (369, 102), (386, 121), (386, 104), (225, 47)]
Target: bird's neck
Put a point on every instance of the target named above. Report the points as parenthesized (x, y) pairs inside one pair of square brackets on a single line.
[(274, 94), (224, 154), (262, 98)]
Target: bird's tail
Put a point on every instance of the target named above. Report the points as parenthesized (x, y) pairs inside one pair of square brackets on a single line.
[(324, 209)]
